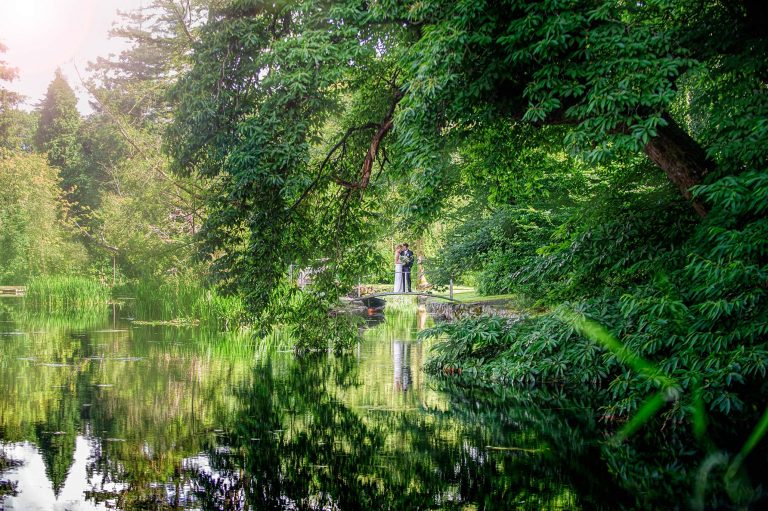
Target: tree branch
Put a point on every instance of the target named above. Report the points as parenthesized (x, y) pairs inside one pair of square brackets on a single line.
[(681, 158), (373, 149), (182, 22), (341, 144)]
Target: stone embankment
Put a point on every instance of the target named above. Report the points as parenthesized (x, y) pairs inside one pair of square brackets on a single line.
[(451, 311)]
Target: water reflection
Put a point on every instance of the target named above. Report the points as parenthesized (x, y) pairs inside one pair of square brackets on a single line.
[(104, 414), (401, 365)]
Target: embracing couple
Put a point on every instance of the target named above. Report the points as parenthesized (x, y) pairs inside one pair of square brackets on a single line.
[(403, 263)]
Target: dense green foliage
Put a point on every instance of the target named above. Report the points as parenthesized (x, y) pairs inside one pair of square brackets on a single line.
[(343, 75), (617, 246), (35, 237), (105, 204), (281, 139)]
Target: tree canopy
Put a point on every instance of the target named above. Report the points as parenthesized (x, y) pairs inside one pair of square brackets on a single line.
[(298, 110), (284, 111)]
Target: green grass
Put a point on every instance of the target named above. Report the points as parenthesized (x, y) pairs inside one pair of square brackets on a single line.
[(66, 293), (401, 302)]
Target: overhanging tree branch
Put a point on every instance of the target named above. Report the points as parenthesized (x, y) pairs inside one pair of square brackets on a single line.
[(373, 149), (341, 144)]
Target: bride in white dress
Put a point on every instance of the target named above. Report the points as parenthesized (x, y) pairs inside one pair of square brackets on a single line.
[(399, 284)]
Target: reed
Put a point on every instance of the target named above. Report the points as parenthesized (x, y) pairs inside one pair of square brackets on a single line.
[(186, 301), (66, 293)]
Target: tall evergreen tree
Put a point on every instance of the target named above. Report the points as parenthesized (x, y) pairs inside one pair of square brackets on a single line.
[(58, 136), (159, 39)]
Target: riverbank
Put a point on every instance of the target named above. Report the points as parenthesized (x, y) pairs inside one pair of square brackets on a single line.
[(654, 428)]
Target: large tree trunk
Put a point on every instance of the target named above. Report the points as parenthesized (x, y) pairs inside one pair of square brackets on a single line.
[(683, 160)]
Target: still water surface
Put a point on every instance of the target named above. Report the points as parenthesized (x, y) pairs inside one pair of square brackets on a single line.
[(104, 414)]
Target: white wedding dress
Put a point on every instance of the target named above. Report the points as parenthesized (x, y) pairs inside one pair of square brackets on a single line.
[(399, 287)]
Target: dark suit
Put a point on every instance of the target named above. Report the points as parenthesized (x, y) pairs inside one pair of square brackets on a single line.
[(407, 269)]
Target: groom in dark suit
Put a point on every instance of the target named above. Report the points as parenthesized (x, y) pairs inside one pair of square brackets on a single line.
[(406, 258)]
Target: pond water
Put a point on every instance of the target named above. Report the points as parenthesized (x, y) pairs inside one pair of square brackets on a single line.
[(100, 413)]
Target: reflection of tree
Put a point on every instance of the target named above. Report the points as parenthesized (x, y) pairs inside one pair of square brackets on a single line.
[(38, 400), (398, 325), (56, 439), (162, 409), (559, 431), (6, 487), (145, 413), (306, 433), (295, 444)]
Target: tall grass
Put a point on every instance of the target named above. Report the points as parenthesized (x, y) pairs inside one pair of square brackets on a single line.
[(186, 301), (66, 293)]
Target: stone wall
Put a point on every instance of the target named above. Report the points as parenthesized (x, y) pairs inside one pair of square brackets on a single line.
[(450, 311)]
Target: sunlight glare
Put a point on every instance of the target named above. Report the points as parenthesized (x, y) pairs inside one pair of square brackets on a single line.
[(25, 17), (44, 33)]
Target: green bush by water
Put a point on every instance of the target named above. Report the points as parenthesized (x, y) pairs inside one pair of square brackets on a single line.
[(186, 301), (66, 293)]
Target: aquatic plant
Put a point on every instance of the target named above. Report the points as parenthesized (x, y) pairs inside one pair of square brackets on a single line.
[(401, 303), (187, 300), (62, 293)]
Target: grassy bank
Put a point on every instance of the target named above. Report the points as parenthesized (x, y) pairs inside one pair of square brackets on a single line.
[(177, 301)]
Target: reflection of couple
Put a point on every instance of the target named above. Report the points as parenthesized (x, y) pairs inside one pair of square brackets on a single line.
[(402, 365), (403, 263)]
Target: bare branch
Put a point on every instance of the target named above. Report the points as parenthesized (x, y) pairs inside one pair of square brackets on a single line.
[(180, 19)]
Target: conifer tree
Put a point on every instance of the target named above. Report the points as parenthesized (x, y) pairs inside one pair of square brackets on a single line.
[(58, 136)]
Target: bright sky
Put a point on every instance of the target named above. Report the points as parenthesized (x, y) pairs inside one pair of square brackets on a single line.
[(41, 35)]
